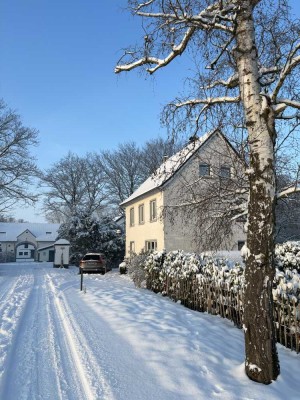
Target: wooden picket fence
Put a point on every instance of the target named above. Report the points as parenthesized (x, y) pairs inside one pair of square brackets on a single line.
[(219, 299)]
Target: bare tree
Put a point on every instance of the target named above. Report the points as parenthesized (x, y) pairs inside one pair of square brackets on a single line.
[(17, 167), (72, 184), (126, 167), (251, 51), (155, 151), (122, 170)]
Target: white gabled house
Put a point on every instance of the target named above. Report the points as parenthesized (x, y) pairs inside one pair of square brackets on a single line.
[(27, 241), (160, 213)]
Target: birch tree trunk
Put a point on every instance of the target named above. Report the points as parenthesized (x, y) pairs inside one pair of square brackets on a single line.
[(261, 362)]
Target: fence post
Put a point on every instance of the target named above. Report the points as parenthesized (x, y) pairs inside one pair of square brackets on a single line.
[(81, 279)]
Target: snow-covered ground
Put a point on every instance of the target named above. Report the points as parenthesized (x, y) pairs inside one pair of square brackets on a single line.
[(113, 341)]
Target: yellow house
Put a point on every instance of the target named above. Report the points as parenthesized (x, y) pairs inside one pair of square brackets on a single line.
[(160, 213)]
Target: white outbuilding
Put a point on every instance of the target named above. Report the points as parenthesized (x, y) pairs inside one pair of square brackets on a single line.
[(61, 253)]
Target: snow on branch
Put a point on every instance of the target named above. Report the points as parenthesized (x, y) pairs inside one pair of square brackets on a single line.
[(207, 19), (233, 81), (208, 101), (230, 83), (196, 20), (287, 102), (289, 190), (295, 188), (290, 64), (142, 5), (177, 50)]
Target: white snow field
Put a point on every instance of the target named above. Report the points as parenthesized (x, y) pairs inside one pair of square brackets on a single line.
[(115, 342)]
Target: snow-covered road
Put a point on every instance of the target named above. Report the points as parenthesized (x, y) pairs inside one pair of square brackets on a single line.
[(115, 342)]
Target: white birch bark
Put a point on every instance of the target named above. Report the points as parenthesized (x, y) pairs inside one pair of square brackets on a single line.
[(261, 356)]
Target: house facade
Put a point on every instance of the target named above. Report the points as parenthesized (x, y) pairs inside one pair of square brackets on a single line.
[(27, 241), (179, 207)]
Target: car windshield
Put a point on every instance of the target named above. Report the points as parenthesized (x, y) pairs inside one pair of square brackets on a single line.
[(94, 257)]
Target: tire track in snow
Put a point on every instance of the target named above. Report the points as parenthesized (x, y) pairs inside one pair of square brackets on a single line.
[(13, 302), (88, 369), (29, 369), (66, 375)]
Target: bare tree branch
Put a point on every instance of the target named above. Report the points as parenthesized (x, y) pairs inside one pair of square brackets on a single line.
[(291, 63), (177, 51)]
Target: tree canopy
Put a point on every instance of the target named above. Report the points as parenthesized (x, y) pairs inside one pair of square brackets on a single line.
[(17, 166)]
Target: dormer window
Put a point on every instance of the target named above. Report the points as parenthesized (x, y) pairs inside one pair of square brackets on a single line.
[(204, 170)]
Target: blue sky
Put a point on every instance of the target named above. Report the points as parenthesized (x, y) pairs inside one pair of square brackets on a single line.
[(57, 71), (59, 74)]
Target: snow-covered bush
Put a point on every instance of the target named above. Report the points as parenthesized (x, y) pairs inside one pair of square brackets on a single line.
[(287, 256), (169, 268), (287, 286), (152, 267), (216, 285), (136, 269), (222, 272), (177, 266), (180, 264)]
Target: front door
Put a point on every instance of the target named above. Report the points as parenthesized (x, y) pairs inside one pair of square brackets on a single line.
[(51, 255)]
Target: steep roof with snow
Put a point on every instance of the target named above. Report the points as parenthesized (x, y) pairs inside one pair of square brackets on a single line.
[(170, 167), (44, 232)]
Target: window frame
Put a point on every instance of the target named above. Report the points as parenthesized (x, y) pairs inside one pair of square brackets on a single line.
[(141, 214), (131, 246), (131, 216), (225, 168), (201, 167), (152, 243), (153, 210)]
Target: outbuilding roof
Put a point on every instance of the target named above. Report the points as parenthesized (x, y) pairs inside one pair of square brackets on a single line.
[(43, 232), (170, 167)]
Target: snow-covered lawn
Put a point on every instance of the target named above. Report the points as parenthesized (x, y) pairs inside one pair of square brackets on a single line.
[(114, 341)]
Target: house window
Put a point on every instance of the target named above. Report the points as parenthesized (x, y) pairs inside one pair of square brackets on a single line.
[(241, 244), (153, 211), (151, 245), (204, 170), (131, 247), (225, 172), (131, 216), (25, 246), (25, 253), (141, 214), (20, 253), (48, 233)]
